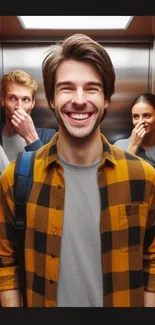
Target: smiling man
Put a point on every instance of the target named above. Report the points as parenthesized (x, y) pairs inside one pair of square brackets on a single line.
[(18, 133), (83, 119), (89, 238)]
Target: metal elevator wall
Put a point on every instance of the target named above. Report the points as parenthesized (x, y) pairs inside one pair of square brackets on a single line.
[(132, 66), (1, 72)]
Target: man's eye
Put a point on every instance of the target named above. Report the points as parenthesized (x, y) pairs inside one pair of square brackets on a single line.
[(93, 89), (11, 97), (66, 88)]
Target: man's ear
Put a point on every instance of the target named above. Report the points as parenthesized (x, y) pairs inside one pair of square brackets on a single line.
[(33, 103), (52, 104), (2, 100), (106, 103)]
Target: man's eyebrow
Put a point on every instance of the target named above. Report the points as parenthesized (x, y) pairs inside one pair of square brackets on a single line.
[(94, 83), (25, 96), (62, 83), (69, 83)]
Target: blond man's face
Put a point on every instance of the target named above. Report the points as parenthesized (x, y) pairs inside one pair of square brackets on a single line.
[(17, 96)]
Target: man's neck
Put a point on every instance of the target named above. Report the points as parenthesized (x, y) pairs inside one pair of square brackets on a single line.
[(8, 129), (84, 151)]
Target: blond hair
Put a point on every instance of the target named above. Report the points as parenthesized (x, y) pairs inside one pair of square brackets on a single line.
[(19, 77), (81, 48)]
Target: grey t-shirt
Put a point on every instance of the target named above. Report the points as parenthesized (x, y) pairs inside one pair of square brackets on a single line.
[(148, 154), (4, 162), (122, 143), (80, 282), (13, 145)]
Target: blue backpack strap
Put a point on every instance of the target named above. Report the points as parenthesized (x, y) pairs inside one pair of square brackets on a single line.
[(23, 180)]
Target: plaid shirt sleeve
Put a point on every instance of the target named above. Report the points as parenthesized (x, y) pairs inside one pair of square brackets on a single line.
[(149, 246), (8, 262)]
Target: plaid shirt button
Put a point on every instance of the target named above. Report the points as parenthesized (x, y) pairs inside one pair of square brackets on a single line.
[(53, 255), (58, 207), (59, 186), (51, 281)]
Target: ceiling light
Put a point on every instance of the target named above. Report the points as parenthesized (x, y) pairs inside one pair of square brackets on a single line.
[(75, 22)]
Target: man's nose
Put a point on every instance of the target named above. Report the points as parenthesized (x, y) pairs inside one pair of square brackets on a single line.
[(79, 98), (18, 103)]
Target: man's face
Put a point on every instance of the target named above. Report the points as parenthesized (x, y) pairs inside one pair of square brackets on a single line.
[(16, 97), (79, 101)]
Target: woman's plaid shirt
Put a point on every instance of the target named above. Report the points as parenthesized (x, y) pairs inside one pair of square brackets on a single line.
[(127, 225)]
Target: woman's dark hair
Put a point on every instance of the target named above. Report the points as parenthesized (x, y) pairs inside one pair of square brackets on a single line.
[(145, 98)]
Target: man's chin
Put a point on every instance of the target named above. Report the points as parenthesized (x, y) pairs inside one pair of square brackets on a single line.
[(81, 134), (78, 132), (78, 135)]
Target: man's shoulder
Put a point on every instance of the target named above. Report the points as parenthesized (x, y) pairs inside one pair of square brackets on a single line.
[(41, 131), (45, 134)]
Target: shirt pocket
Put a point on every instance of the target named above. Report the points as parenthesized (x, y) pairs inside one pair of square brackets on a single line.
[(132, 223)]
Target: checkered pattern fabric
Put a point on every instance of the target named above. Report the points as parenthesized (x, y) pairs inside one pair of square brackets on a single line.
[(127, 225)]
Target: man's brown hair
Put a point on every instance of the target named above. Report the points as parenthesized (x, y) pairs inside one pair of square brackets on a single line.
[(81, 48)]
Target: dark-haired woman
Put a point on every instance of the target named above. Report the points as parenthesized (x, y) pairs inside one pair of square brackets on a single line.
[(142, 139)]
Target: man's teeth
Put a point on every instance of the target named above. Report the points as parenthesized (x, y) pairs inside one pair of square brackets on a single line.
[(79, 116)]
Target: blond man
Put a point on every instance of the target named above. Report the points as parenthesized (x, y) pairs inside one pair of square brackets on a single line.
[(18, 91)]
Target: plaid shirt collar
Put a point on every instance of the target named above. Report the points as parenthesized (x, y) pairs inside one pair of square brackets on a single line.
[(52, 157)]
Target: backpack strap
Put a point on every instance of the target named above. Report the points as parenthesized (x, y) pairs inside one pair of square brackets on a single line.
[(23, 179)]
